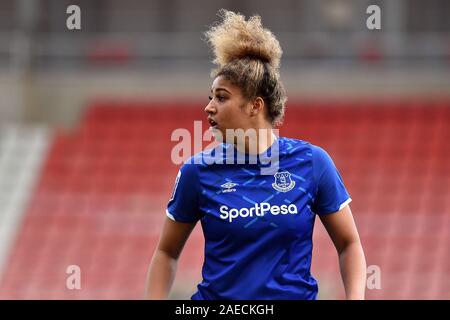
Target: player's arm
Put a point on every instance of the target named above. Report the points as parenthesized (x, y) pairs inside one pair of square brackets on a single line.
[(342, 230), (162, 270)]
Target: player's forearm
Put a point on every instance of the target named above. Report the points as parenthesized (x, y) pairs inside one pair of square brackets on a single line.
[(353, 271), (161, 275)]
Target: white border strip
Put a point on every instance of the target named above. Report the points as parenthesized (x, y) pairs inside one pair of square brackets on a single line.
[(346, 202), (170, 215), (16, 140)]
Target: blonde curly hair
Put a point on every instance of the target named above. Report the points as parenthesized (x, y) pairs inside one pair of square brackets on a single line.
[(249, 56)]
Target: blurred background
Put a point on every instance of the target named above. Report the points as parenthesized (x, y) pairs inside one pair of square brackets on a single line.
[(86, 118)]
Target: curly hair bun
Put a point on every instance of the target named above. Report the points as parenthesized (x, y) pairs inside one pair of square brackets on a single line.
[(235, 38)]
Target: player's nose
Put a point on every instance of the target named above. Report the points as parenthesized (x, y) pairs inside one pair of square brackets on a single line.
[(210, 109)]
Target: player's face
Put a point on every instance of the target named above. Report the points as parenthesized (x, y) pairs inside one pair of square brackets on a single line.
[(227, 108)]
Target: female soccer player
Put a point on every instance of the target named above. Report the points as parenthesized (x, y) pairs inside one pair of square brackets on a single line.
[(257, 225)]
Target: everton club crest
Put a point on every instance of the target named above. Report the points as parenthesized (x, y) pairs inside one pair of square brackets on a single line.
[(283, 181)]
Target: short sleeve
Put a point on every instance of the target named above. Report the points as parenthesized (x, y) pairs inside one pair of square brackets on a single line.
[(183, 205), (331, 195)]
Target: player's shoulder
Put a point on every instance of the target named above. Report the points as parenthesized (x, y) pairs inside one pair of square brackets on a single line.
[(291, 145), (318, 151), (321, 159), (295, 146)]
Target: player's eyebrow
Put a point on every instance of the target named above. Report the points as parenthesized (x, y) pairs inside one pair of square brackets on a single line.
[(219, 89)]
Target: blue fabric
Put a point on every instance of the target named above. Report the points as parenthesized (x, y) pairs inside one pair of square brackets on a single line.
[(258, 227)]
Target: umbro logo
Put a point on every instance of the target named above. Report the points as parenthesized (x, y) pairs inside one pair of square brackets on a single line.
[(228, 187)]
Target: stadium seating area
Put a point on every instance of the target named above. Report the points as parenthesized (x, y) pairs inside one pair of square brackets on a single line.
[(100, 200)]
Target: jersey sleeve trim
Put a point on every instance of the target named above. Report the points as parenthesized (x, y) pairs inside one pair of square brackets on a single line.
[(171, 217), (346, 202)]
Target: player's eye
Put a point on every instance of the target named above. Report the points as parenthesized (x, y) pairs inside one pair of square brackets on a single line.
[(219, 98)]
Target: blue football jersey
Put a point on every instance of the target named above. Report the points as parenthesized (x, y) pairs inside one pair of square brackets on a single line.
[(257, 226)]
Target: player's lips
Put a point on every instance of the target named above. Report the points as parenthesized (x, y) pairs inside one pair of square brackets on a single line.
[(212, 123)]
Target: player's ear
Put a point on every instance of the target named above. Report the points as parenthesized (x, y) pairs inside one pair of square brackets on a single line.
[(257, 106)]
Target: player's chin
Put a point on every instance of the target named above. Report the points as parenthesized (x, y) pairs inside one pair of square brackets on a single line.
[(217, 133)]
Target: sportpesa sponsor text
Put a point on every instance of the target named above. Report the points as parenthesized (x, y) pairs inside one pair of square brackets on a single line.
[(259, 210)]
